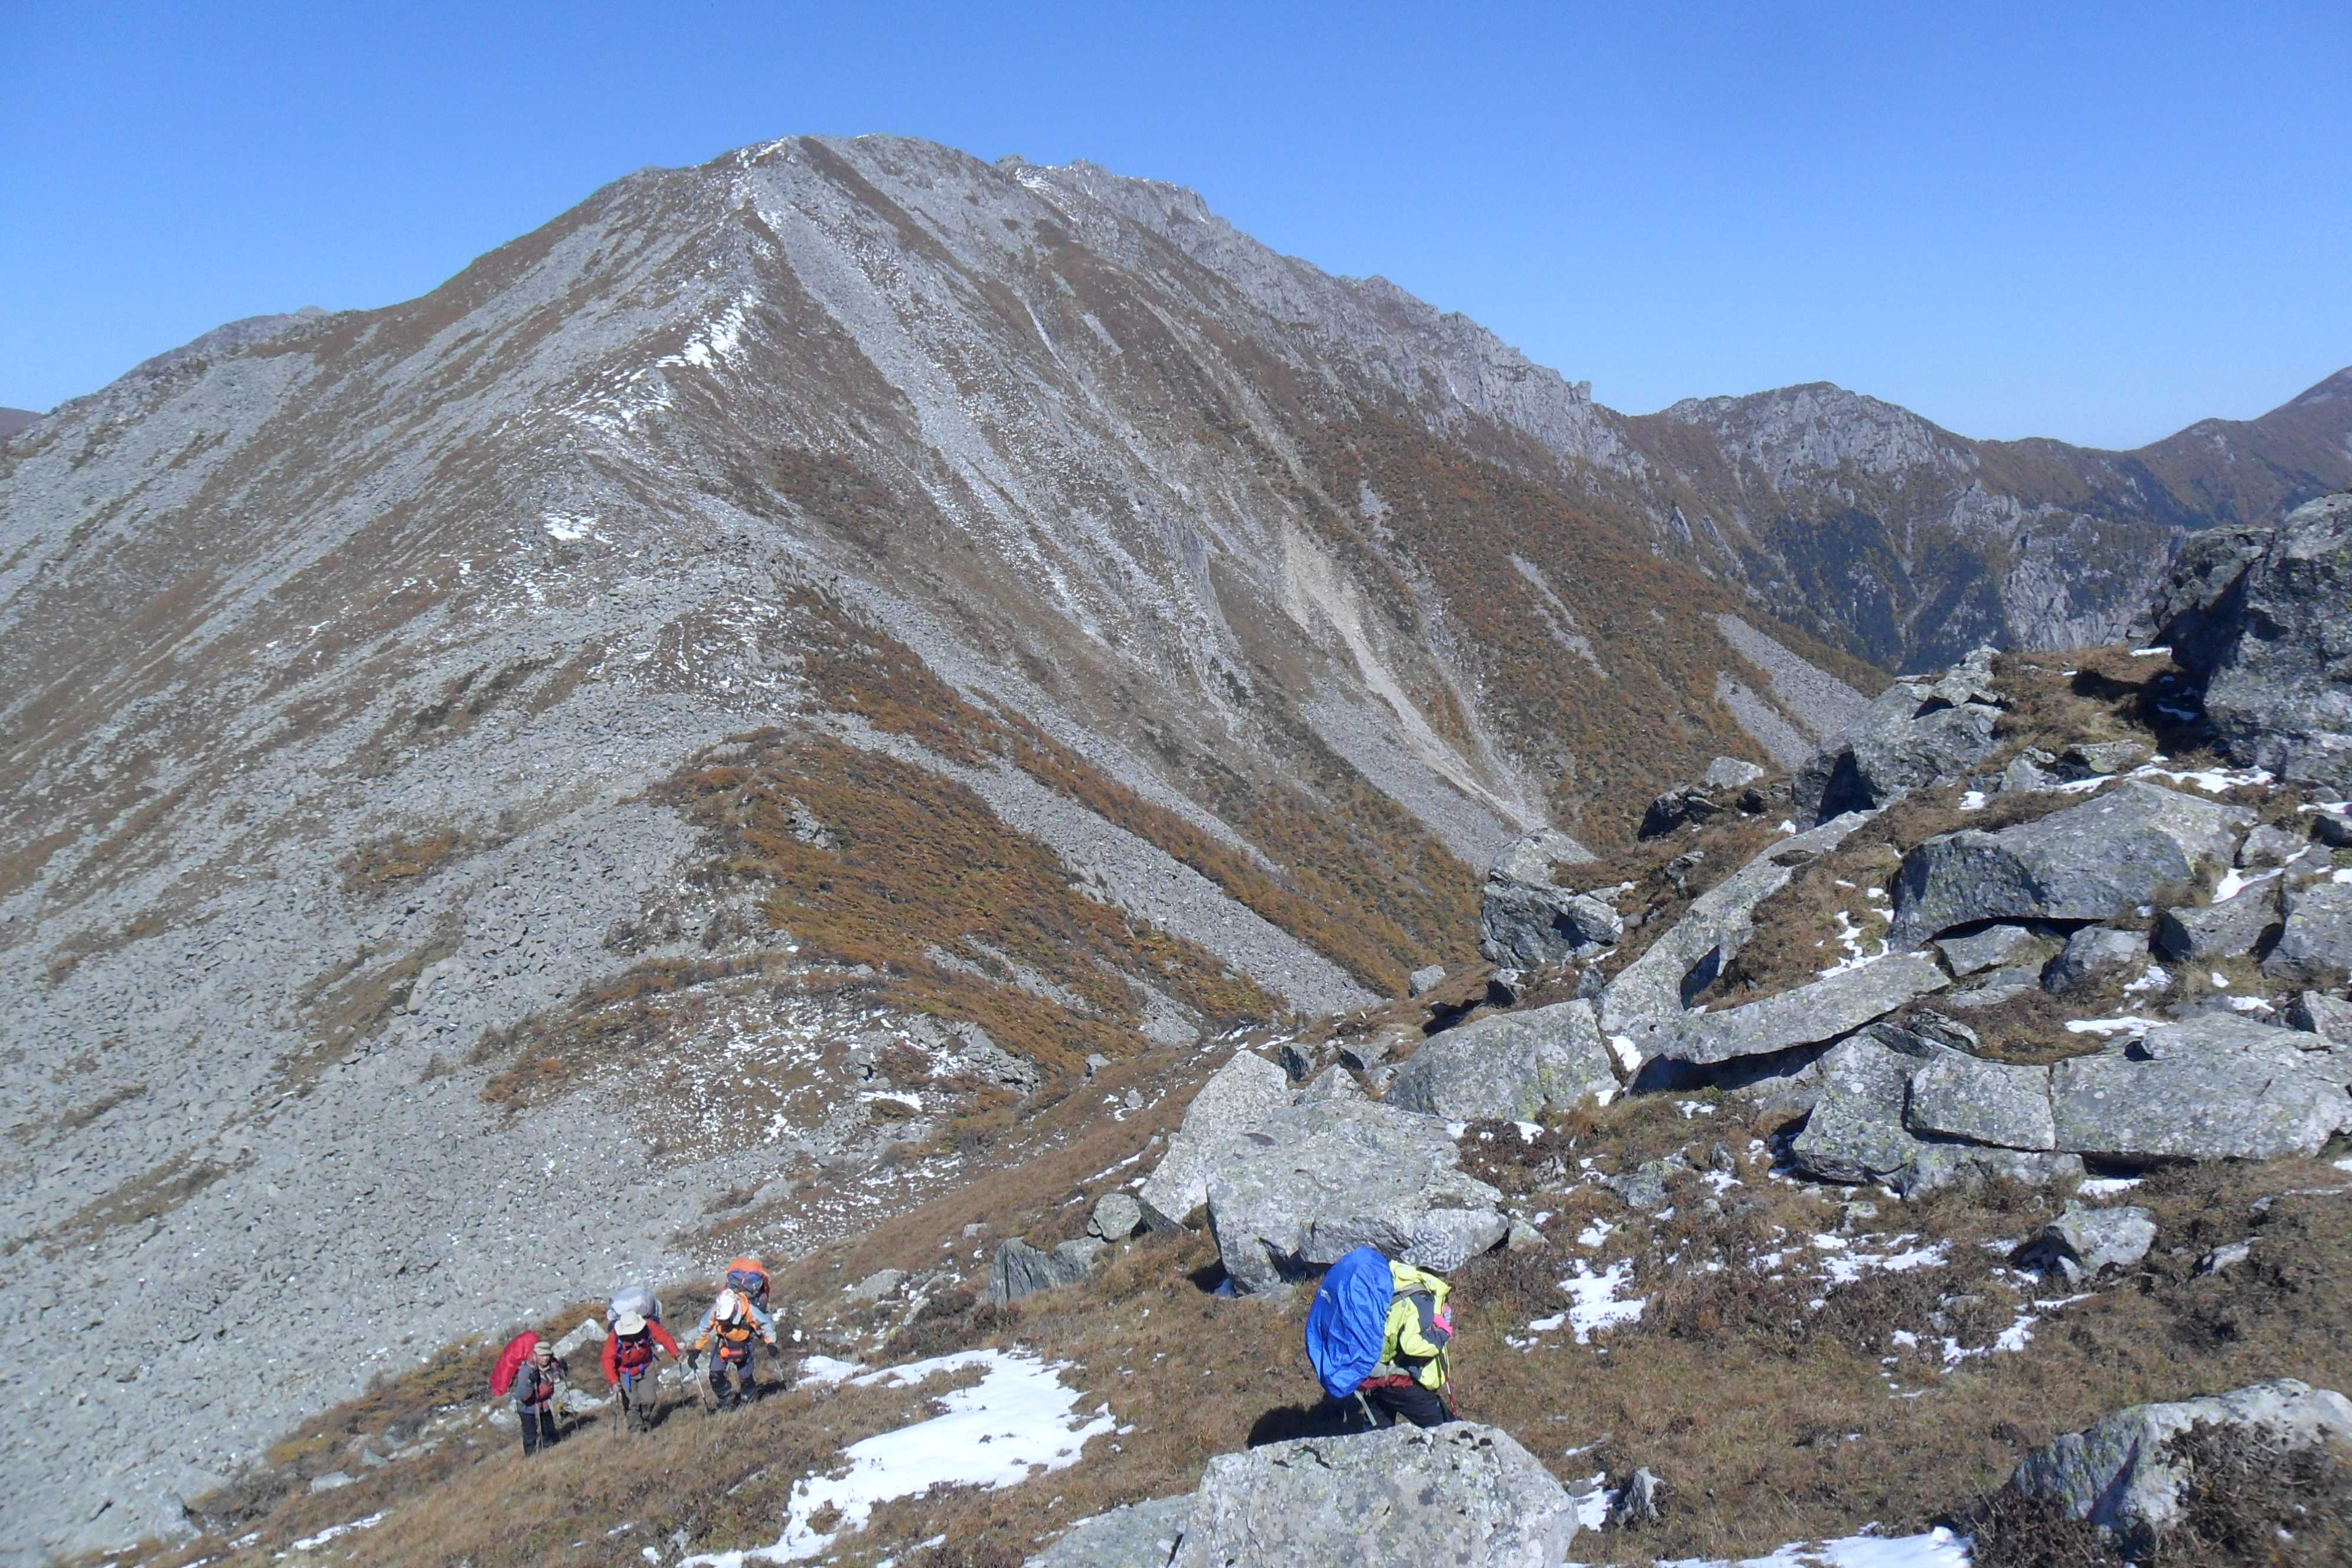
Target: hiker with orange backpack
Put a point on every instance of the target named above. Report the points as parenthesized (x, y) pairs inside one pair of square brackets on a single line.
[(726, 1332)]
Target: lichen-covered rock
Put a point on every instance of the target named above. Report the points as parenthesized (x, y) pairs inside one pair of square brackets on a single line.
[(2231, 929), (1464, 1494), (2264, 617), (1993, 946), (1915, 733), (1303, 1186), (1694, 950), (1511, 1065), (2211, 1087), (1856, 1132), (1116, 1217), (2329, 1018), (1960, 1096), (1833, 1005), (1529, 917), (1140, 1535), (2089, 862), (2083, 1242), (1235, 1098), (2116, 1473), (1020, 1269), (2316, 932), (1424, 980), (2089, 952)]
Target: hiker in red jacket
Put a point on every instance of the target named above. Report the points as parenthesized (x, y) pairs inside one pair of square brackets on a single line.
[(629, 1352)]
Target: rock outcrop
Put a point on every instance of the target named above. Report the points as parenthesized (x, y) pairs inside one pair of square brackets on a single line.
[(2120, 1475), (1513, 1066), (1303, 1186), (1236, 1097), (1140, 1535), (1834, 1005), (2262, 617), (2089, 862), (1464, 1495), (1020, 1269), (2315, 938), (1530, 916), (1915, 732)]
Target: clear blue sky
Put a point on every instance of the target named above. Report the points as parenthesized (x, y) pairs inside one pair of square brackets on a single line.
[(2095, 223)]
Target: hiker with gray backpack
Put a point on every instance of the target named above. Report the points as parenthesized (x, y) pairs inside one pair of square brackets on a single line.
[(1378, 1333)]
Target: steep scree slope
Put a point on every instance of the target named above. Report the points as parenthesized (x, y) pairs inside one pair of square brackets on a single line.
[(775, 664)]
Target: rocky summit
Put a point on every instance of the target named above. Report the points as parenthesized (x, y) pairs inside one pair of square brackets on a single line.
[(973, 731)]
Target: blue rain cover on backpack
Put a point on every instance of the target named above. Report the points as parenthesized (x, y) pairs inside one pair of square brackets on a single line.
[(1350, 1321)]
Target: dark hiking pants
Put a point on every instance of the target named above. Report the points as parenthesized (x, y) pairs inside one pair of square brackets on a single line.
[(537, 1424), (1422, 1406), (721, 1369)]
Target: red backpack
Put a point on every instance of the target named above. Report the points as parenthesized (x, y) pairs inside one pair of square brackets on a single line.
[(510, 1360)]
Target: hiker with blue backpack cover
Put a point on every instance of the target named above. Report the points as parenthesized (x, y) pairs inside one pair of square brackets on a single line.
[(1378, 1334)]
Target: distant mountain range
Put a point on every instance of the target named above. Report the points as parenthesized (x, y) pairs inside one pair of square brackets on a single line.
[(821, 585), (14, 419)]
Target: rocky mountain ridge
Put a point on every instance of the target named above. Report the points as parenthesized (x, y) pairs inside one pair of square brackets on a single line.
[(729, 698), (1938, 1155)]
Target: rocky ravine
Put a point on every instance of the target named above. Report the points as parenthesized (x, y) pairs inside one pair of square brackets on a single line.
[(406, 707)]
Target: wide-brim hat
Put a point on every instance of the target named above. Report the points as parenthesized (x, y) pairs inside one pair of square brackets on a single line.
[(627, 1324)]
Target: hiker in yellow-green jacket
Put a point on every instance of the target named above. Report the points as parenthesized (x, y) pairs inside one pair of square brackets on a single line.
[(1409, 1380)]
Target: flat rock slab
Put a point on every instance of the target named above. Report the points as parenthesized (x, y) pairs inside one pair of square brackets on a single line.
[(1805, 1016), (1305, 1185), (1511, 1065), (1236, 1096), (1464, 1494), (2115, 1474), (1680, 963), (2212, 1088), (1140, 1535), (1020, 1270), (2089, 862), (1960, 1096)]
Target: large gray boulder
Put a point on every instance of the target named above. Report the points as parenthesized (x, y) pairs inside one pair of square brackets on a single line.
[(1305, 1185), (1020, 1270), (2213, 1086), (2089, 862), (1513, 1065), (1235, 1098), (1464, 1494), (1915, 732), (1689, 954), (1529, 918), (1959, 1096), (2231, 929), (2001, 944), (2263, 618), (1858, 1130), (2117, 1474), (1140, 1535), (1809, 1015), (1855, 1133), (2315, 933)]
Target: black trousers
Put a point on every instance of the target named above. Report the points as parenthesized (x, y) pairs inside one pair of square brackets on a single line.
[(1422, 1406), (537, 1424), (742, 1390)]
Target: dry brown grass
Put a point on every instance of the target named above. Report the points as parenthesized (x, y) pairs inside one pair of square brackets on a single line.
[(1776, 1409), (383, 861)]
